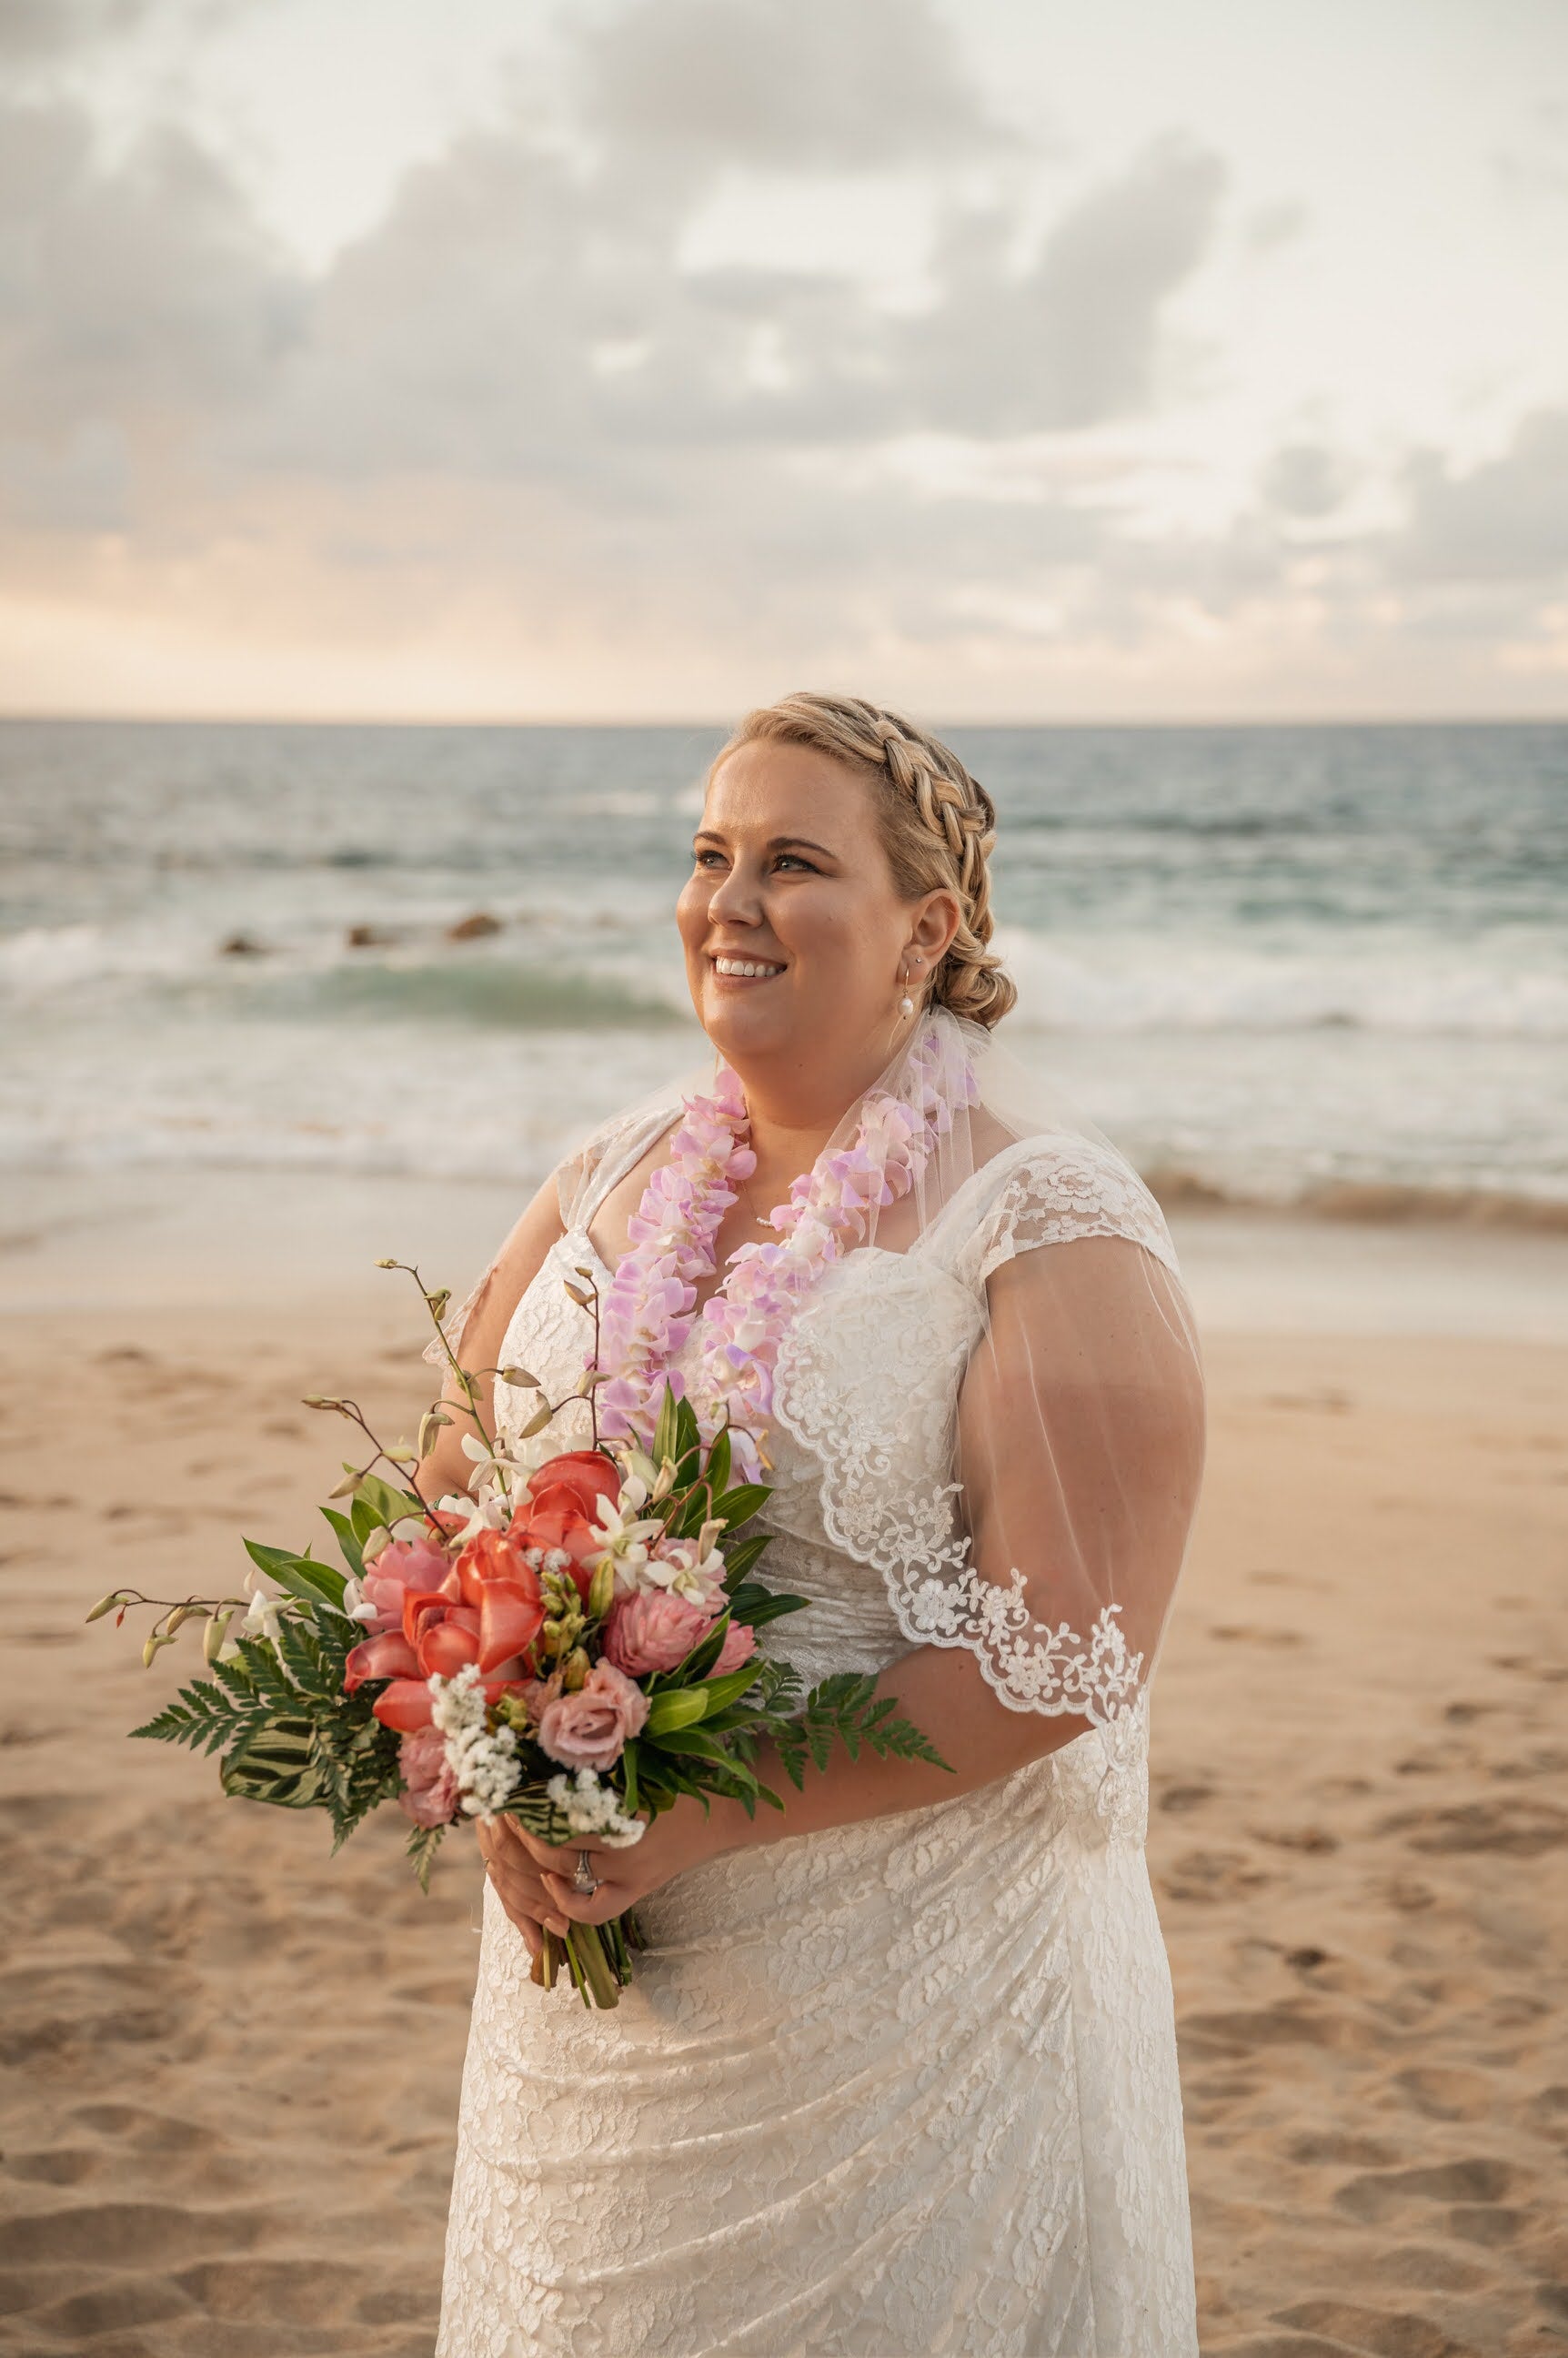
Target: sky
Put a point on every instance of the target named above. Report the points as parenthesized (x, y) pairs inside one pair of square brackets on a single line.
[(638, 360)]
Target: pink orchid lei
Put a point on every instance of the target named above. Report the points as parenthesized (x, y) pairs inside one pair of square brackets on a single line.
[(647, 1310)]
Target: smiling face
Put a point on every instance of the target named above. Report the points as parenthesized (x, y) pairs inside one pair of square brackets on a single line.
[(795, 932)]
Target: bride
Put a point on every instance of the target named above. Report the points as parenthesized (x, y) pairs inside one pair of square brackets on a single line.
[(897, 2074)]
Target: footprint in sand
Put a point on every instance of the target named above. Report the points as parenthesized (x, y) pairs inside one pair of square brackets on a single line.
[(1516, 1825), (1351, 2152), (1181, 1798), (1247, 1633), (1473, 2187), (1384, 2333), (128, 2235), (1294, 2023), (63, 2165), (1532, 1666), (147, 2132), (113, 2307), (1445, 2096), (1548, 2112), (1432, 2269), (1213, 1874), (294, 2291)]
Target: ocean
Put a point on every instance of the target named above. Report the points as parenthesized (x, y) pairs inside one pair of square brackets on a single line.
[(1323, 968)]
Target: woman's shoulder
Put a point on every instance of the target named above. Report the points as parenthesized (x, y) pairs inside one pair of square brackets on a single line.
[(1049, 1188), (585, 1175)]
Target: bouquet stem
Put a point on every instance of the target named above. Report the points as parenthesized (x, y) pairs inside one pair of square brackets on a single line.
[(596, 1957)]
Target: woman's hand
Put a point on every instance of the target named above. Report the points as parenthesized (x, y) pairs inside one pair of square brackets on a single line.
[(517, 1879), (679, 1837)]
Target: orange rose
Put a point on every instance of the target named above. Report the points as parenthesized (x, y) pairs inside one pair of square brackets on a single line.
[(492, 1620), (563, 1503)]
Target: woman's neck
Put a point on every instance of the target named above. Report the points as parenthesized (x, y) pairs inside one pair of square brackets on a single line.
[(793, 1108)]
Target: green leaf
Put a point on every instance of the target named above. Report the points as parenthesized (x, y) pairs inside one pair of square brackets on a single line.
[(738, 1560), (665, 1432), (348, 1540), (676, 1707), (275, 1765), (717, 1472), (629, 1768), (539, 1814), (757, 1605), (388, 1505), (728, 1688), (737, 1506), (300, 1575), (421, 1847), (688, 1436)]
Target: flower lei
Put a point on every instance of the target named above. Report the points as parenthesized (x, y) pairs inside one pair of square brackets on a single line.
[(646, 1313)]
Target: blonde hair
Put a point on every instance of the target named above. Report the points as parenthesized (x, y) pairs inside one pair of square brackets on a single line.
[(938, 823)]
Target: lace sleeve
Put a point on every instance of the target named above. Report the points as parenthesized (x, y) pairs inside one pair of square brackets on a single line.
[(1080, 1439), (1054, 1190)]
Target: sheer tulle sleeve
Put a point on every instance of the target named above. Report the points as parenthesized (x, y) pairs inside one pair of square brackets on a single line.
[(1079, 1453)]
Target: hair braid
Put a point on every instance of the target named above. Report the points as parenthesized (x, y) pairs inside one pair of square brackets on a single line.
[(938, 825)]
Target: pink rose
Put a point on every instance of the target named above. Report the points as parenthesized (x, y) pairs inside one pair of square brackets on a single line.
[(405, 1565), (534, 1694), (739, 1645), (589, 1729), (653, 1631), (430, 1794)]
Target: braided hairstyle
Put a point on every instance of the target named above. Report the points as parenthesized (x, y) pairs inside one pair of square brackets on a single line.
[(938, 823)]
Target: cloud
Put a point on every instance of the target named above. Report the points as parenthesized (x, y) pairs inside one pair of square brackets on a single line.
[(1073, 340), (1305, 480), (808, 86), (34, 31), (140, 308), (518, 425), (1505, 521)]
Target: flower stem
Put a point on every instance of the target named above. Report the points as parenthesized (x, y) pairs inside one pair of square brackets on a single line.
[(586, 1947)]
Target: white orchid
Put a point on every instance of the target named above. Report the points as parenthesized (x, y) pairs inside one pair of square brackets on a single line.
[(262, 1619), (625, 1536), (355, 1607), (689, 1569), (491, 1514)]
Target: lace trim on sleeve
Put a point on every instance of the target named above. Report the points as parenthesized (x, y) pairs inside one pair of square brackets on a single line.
[(1060, 1190), (870, 1441)]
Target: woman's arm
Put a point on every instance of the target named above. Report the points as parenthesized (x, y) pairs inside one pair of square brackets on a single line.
[(1080, 1446)]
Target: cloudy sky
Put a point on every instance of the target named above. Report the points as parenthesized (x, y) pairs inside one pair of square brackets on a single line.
[(639, 359)]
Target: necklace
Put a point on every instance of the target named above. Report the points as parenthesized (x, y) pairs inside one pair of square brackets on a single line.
[(647, 1310)]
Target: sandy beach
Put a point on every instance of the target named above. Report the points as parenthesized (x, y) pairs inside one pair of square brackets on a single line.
[(233, 2062)]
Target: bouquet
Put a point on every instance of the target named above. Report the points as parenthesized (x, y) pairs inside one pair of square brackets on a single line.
[(573, 1644)]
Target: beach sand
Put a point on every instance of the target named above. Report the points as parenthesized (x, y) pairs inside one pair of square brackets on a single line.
[(233, 2062)]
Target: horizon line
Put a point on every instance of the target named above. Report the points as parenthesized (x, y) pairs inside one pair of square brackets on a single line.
[(240, 720)]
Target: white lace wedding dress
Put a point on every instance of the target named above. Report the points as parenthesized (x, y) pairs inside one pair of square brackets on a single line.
[(906, 2089)]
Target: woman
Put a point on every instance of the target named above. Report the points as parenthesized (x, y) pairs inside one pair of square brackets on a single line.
[(898, 2072)]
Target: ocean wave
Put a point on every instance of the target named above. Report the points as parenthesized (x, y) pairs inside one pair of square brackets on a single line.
[(1135, 984), (517, 1137), (484, 994), (543, 970), (1380, 1203)]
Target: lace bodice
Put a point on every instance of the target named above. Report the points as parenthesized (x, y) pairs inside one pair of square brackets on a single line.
[(864, 1511)]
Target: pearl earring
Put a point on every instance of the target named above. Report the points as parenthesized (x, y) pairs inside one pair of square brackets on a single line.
[(906, 1004)]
